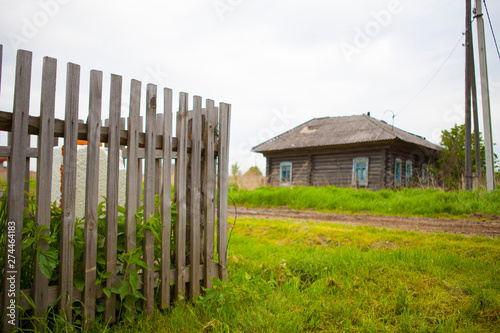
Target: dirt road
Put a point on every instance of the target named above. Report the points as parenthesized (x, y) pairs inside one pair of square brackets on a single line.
[(422, 224)]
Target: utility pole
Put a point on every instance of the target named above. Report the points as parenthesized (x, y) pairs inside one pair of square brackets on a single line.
[(477, 143), (485, 96), (468, 80)]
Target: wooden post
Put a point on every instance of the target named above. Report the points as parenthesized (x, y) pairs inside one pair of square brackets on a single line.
[(44, 177), (91, 197), (224, 121), (166, 201), (468, 79), (68, 190), (181, 166), (112, 192), (16, 176), (149, 198), (477, 143), (209, 195), (488, 138), (195, 199)]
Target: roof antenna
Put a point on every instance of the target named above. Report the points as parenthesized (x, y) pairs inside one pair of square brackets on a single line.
[(393, 116)]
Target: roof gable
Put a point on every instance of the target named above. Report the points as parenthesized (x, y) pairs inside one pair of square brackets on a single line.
[(333, 131)]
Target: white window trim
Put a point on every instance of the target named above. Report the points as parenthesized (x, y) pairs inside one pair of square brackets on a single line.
[(396, 181), (282, 164), (363, 182)]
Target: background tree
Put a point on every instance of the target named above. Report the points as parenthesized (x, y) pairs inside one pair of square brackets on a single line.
[(452, 163)]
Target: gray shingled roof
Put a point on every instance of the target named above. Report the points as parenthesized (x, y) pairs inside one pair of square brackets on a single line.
[(334, 131)]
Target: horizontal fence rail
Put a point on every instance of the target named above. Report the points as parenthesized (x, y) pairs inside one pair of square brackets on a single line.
[(181, 220)]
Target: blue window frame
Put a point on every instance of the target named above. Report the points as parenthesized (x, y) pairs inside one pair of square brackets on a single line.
[(397, 172), (286, 173), (409, 172), (360, 171), (425, 172)]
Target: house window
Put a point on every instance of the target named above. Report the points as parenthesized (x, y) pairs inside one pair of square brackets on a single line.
[(409, 172), (285, 173), (425, 172), (397, 172), (360, 171)]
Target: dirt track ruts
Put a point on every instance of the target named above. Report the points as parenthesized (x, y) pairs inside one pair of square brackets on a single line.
[(421, 224)]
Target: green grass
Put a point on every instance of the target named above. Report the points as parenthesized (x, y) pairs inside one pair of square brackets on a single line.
[(305, 276), (406, 202)]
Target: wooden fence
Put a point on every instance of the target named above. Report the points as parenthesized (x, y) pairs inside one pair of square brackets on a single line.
[(200, 151)]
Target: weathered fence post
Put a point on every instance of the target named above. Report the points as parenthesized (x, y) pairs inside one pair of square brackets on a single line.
[(149, 198), (68, 204), (44, 176), (91, 196), (224, 121), (16, 176), (166, 200), (180, 190), (112, 192)]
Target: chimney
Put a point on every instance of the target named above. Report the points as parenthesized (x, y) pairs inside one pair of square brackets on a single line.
[(368, 114)]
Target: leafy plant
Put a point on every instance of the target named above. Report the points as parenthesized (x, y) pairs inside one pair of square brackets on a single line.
[(129, 264)]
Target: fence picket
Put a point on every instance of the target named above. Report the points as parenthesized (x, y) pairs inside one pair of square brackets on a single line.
[(194, 210), (224, 119), (68, 190), (166, 200), (131, 201), (16, 176), (209, 194), (181, 167), (149, 198), (112, 192), (44, 176), (91, 196)]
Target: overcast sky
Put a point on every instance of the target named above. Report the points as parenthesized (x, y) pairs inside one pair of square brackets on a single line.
[(279, 63)]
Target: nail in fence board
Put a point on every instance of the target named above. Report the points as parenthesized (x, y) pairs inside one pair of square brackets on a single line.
[(68, 189), (44, 176), (166, 200), (149, 198), (91, 196), (112, 192), (16, 176)]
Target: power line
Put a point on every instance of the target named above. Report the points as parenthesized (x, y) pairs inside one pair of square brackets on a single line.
[(491, 27), (433, 76)]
